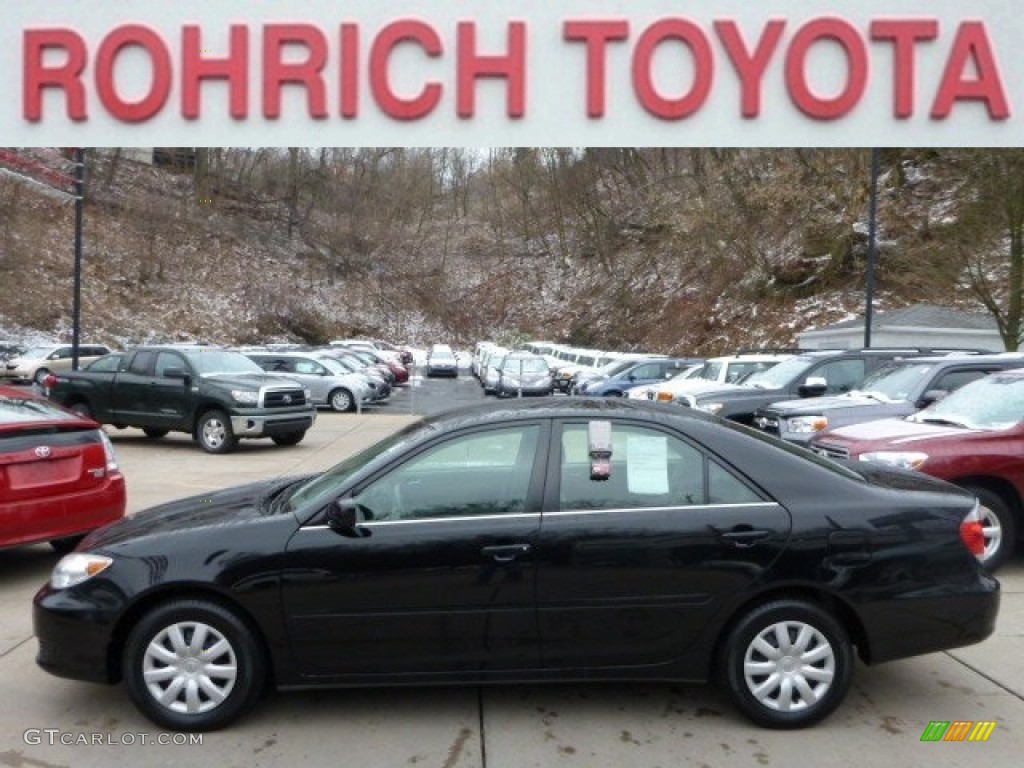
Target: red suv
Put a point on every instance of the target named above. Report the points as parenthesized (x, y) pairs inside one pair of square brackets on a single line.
[(974, 438), (59, 477)]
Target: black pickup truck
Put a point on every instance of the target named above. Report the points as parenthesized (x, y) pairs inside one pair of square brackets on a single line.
[(216, 395)]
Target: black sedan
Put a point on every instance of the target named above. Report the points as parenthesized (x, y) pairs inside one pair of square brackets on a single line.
[(583, 539)]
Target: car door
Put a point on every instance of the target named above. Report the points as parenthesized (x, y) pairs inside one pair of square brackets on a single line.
[(440, 579), (168, 396), (130, 393), (311, 375), (632, 568)]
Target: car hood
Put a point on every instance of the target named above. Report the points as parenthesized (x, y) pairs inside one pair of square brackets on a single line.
[(250, 380), (233, 506), (834, 403), (893, 432)]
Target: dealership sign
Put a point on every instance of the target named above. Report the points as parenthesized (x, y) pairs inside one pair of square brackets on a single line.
[(485, 73)]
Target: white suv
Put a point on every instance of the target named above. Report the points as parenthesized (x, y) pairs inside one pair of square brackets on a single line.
[(715, 372)]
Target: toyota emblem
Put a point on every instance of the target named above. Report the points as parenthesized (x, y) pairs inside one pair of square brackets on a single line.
[(43, 452), (287, 399)]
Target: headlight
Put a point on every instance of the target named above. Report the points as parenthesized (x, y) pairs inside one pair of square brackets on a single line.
[(805, 424), (77, 567), (709, 407), (245, 396), (901, 459)]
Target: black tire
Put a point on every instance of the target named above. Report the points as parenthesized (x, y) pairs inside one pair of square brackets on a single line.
[(341, 400), (203, 626), (214, 432), (812, 690), (82, 409), (1000, 527), (66, 544), (155, 433), (289, 438), (40, 376)]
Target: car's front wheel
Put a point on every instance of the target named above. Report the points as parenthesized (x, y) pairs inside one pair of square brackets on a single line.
[(787, 664), (341, 400), (192, 665), (214, 432)]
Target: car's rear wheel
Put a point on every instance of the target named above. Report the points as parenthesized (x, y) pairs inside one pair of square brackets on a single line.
[(341, 400), (82, 409), (40, 376), (289, 438), (155, 433), (999, 527), (214, 432), (192, 665), (787, 664)]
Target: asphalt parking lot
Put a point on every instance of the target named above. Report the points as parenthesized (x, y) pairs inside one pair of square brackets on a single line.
[(52, 722)]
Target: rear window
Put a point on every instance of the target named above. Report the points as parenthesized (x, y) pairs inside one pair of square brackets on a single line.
[(25, 410)]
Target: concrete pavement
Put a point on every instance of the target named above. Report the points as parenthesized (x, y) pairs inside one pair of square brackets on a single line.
[(596, 726)]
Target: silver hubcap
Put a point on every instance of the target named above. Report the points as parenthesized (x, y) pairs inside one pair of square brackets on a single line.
[(214, 432), (789, 666), (189, 667), (992, 531), (340, 401)]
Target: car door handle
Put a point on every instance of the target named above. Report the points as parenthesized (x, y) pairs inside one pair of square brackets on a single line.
[(743, 535), (506, 553)]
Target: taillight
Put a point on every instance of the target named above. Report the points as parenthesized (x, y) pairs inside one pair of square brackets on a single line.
[(972, 532), (50, 381), (108, 452)]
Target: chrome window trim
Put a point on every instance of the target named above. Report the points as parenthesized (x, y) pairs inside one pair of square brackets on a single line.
[(675, 508)]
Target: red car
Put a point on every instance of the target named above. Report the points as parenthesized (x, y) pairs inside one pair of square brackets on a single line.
[(59, 477), (974, 438)]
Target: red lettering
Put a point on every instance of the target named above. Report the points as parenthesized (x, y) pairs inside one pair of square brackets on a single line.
[(904, 35), (750, 66), (971, 45), (234, 68), (643, 81), (511, 66), (596, 35), (66, 76), (160, 87), (836, 31), (307, 73), (348, 80), (390, 37)]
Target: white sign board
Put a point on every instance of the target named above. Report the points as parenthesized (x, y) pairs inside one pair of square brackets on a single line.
[(531, 72)]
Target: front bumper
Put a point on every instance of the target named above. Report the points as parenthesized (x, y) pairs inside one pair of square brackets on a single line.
[(262, 425), (74, 635)]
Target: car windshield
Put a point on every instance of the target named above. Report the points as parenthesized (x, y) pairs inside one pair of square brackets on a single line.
[(210, 361), (994, 402), (332, 365), (895, 382), (524, 364), (615, 367), (323, 487), (779, 376)]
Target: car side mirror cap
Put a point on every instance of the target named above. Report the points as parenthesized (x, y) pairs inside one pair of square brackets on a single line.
[(932, 396), (815, 386), (344, 516), (175, 373)]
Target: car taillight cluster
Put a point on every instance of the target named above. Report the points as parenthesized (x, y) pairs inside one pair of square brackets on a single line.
[(972, 533)]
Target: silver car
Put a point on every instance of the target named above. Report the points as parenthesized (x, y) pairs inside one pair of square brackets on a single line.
[(330, 383), (523, 375)]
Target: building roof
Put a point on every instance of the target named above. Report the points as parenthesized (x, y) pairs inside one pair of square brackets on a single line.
[(923, 316)]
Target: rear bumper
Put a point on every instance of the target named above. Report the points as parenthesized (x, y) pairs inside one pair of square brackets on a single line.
[(926, 623), (57, 517)]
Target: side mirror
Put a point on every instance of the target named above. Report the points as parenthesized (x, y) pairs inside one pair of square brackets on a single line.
[(815, 386), (344, 516), (175, 373), (932, 396)]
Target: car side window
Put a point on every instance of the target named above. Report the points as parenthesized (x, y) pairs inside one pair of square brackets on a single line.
[(647, 371), (482, 473), (141, 363), (165, 360), (956, 379), (726, 488), (649, 469), (841, 375), (308, 366)]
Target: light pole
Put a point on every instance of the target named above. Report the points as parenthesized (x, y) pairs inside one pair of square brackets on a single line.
[(869, 291), (76, 306)]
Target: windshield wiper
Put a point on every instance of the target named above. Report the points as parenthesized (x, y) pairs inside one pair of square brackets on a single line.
[(938, 420)]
